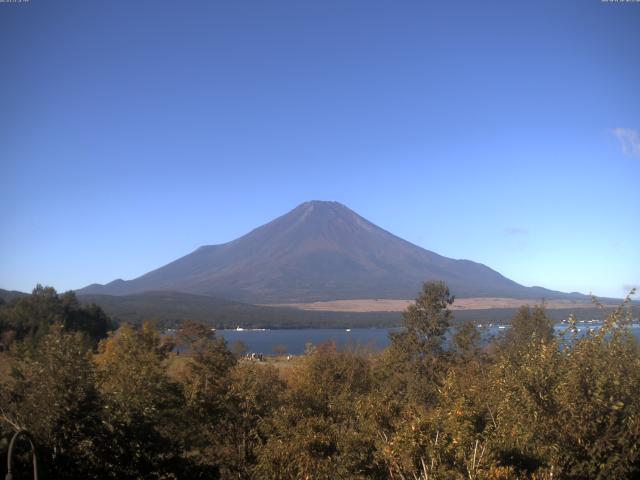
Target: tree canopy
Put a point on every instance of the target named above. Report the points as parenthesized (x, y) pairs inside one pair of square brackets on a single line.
[(31, 316), (436, 404)]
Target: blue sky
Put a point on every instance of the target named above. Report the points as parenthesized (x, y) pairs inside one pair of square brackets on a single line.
[(132, 132)]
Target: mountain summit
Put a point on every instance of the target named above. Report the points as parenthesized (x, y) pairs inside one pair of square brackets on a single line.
[(319, 251)]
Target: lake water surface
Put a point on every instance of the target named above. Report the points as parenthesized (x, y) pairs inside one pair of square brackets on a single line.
[(294, 340)]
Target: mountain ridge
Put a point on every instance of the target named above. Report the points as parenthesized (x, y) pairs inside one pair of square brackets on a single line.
[(316, 252)]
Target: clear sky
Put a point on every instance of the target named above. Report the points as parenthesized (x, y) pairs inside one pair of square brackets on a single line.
[(132, 132)]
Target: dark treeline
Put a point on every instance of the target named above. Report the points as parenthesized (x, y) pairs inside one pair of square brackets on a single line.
[(169, 309), (104, 403)]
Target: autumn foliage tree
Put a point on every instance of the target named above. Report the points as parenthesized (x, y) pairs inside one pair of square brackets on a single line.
[(435, 404), (51, 392)]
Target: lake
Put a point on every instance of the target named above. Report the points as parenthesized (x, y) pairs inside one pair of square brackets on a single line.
[(294, 340)]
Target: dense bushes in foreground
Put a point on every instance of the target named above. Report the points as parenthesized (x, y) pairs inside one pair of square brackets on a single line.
[(531, 405)]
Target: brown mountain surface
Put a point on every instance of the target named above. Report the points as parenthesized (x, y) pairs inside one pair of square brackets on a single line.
[(397, 305)]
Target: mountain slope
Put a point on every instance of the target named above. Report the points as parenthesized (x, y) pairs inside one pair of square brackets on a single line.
[(319, 251)]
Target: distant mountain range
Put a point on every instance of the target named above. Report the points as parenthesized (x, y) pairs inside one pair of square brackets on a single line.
[(320, 251)]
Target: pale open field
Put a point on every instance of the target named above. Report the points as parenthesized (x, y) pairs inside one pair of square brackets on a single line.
[(393, 305)]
